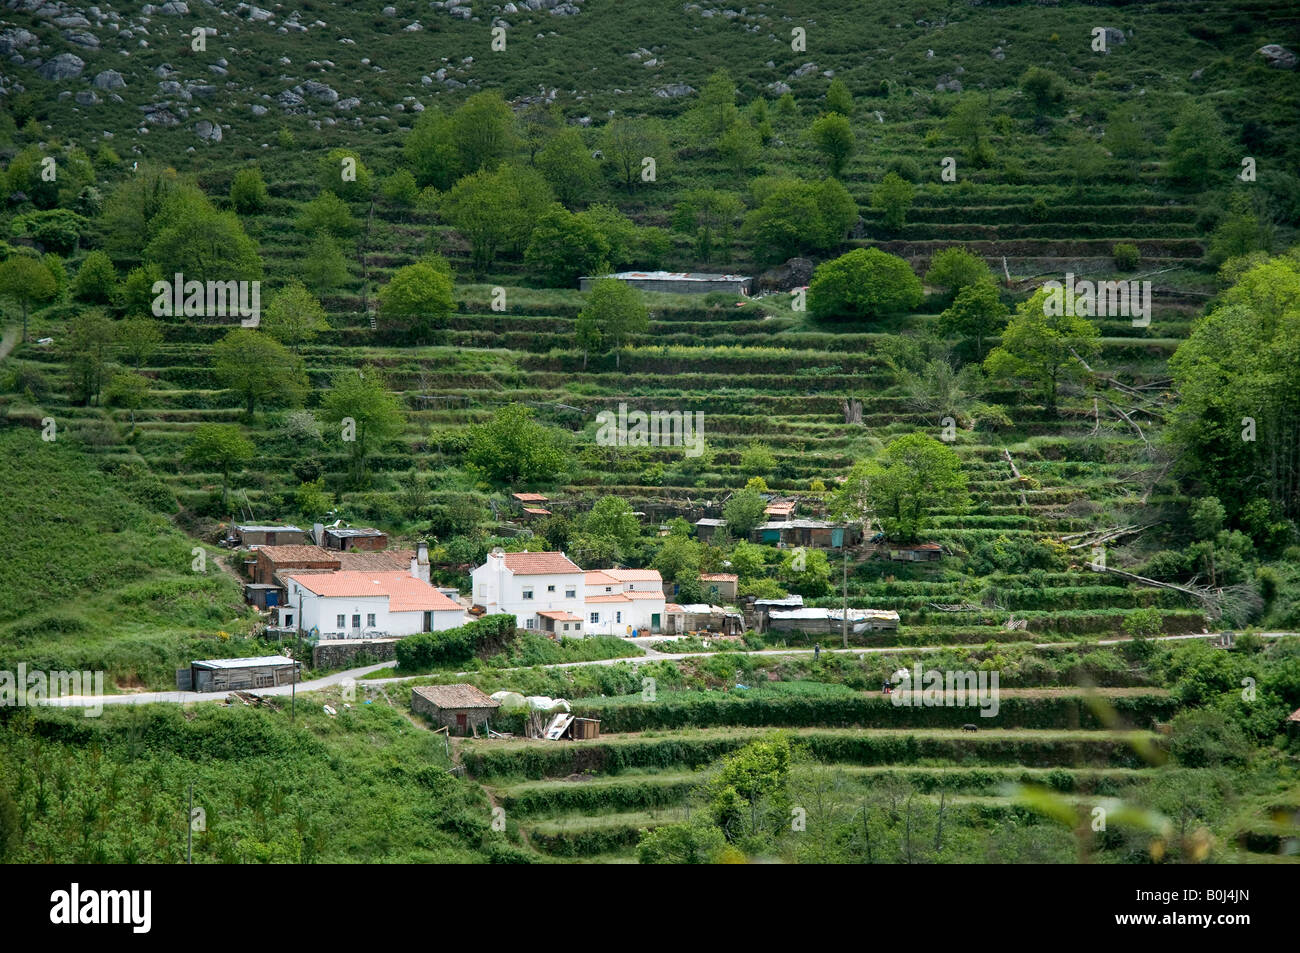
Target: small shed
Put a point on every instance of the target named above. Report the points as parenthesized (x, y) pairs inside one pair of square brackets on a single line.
[(253, 534), (721, 586), (921, 553), (355, 537), (461, 709), (263, 595), (707, 527), (230, 674)]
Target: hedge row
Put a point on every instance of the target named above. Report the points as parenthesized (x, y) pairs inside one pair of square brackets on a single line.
[(638, 795), (871, 711), (559, 760), (429, 649)]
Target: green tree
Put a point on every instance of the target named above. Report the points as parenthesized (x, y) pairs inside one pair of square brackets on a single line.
[(565, 246), (806, 572), (865, 283), (342, 172), (740, 147), (968, 123), (248, 191), (954, 268), (1197, 149), (793, 217), (96, 280), (715, 110), (329, 215), (913, 478), (90, 342), (430, 150), (220, 447), (616, 310), (832, 134), (567, 165), (366, 414), (1237, 421), (138, 339), (710, 216), (484, 131), (513, 448), (323, 268), (611, 518), (128, 391), (977, 313), (749, 793), (203, 244), (1045, 348), (400, 188), (839, 99), (259, 369), (423, 293), (678, 559), (627, 142), (26, 281), (1043, 88), (892, 198), (294, 316), (743, 511), (497, 210)]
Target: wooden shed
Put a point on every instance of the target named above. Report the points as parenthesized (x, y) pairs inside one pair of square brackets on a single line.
[(461, 709), (229, 674)]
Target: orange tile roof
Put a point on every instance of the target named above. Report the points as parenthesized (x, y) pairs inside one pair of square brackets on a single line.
[(673, 607), (387, 560), (559, 615), (405, 593), (297, 553), (612, 597), (597, 577), (529, 497), (634, 575), (719, 577), (536, 511), (645, 596), (539, 564)]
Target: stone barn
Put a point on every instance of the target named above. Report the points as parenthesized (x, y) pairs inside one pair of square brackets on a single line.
[(461, 709)]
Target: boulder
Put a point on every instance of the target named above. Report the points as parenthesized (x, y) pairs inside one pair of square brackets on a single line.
[(63, 66), (795, 273), (207, 131), (109, 79), (1279, 57)]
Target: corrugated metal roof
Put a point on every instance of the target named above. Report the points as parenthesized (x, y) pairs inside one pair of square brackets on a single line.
[(254, 662)]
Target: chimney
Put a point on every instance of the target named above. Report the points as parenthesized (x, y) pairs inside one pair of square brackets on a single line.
[(420, 563), (318, 533)]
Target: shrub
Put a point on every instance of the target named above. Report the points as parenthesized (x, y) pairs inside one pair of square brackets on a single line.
[(248, 191), (96, 279), (1126, 256), (865, 283)]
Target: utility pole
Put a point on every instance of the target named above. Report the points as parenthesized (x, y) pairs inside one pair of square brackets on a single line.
[(845, 609), (297, 647), (189, 828)]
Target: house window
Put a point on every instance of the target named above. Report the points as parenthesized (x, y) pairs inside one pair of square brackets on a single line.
[(370, 620), (618, 617), (341, 623), (570, 593), (288, 619), (595, 618), (566, 627), (530, 623), (550, 588), (528, 594), (609, 588)]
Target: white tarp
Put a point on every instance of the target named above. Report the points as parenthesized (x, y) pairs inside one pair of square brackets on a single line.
[(509, 699), (545, 703)]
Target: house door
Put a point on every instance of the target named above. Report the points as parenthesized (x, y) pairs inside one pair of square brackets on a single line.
[(654, 622), (272, 599), (428, 622), (356, 624), (462, 722)]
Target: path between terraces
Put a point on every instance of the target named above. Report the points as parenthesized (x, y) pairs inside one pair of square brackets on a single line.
[(336, 678)]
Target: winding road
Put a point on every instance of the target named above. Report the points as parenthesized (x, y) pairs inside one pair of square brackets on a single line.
[(336, 678)]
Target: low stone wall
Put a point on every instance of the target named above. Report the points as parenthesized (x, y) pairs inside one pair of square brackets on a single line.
[(344, 653)]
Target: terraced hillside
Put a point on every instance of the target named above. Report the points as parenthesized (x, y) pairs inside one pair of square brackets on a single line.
[(487, 180)]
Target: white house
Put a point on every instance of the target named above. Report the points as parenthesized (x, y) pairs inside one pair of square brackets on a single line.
[(624, 601), (358, 604), (542, 590)]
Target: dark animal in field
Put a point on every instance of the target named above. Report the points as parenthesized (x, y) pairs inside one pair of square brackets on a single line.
[(969, 728)]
